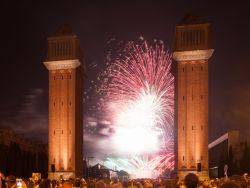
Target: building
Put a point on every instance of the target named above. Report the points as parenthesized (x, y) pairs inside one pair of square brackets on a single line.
[(231, 149), (65, 130), (191, 53), (20, 156), (100, 171)]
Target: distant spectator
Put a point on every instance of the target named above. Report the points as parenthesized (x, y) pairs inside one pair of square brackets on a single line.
[(191, 180), (10, 181), (91, 184), (2, 180), (229, 184), (77, 182), (67, 184), (83, 183), (100, 184), (23, 185), (45, 184), (30, 184), (54, 184)]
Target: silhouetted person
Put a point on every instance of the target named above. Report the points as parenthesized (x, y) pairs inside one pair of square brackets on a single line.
[(67, 184), (230, 185), (10, 181), (2, 180), (191, 180)]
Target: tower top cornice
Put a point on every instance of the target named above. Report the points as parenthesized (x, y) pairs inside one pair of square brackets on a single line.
[(62, 64), (193, 55)]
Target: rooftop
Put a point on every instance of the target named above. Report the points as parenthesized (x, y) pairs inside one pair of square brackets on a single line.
[(190, 19)]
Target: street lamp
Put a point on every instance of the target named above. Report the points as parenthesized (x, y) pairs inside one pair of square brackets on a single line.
[(88, 165)]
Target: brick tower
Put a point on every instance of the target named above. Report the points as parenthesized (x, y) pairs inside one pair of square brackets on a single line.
[(191, 53), (65, 130)]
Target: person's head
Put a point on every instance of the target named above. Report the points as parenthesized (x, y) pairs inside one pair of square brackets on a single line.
[(229, 184), (2, 175), (77, 183), (67, 184), (10, 180), (191, 180), (53, 183), (100, 184)]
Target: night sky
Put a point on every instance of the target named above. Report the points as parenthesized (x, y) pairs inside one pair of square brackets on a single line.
[(25, 27)]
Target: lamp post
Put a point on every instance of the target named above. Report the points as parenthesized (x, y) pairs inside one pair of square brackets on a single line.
[(88, 165)]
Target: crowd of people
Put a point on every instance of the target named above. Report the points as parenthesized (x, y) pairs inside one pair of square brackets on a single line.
[(190, 181)]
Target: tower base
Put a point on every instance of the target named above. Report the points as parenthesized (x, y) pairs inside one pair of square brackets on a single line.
[(202, 175), (61, 175)]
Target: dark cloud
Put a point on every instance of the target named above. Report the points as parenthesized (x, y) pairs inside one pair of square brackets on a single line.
[(29, 119)]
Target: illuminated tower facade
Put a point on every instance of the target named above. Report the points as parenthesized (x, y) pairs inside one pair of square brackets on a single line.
[(65, 130), (191, 53)]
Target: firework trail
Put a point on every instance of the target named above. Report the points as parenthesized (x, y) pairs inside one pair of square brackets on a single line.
[(139, 96)]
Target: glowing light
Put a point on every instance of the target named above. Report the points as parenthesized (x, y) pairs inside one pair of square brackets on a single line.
[(141, 112), (137, 140)]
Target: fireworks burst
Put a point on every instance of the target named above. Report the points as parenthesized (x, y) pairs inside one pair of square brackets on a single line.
[(139, 90), (141, 166)]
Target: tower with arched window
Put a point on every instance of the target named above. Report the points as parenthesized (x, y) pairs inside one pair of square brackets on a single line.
[(191, 53), (65, 130)]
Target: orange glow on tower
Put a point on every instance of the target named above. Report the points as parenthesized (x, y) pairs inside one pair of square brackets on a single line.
[(191, 53), (65, 129)]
